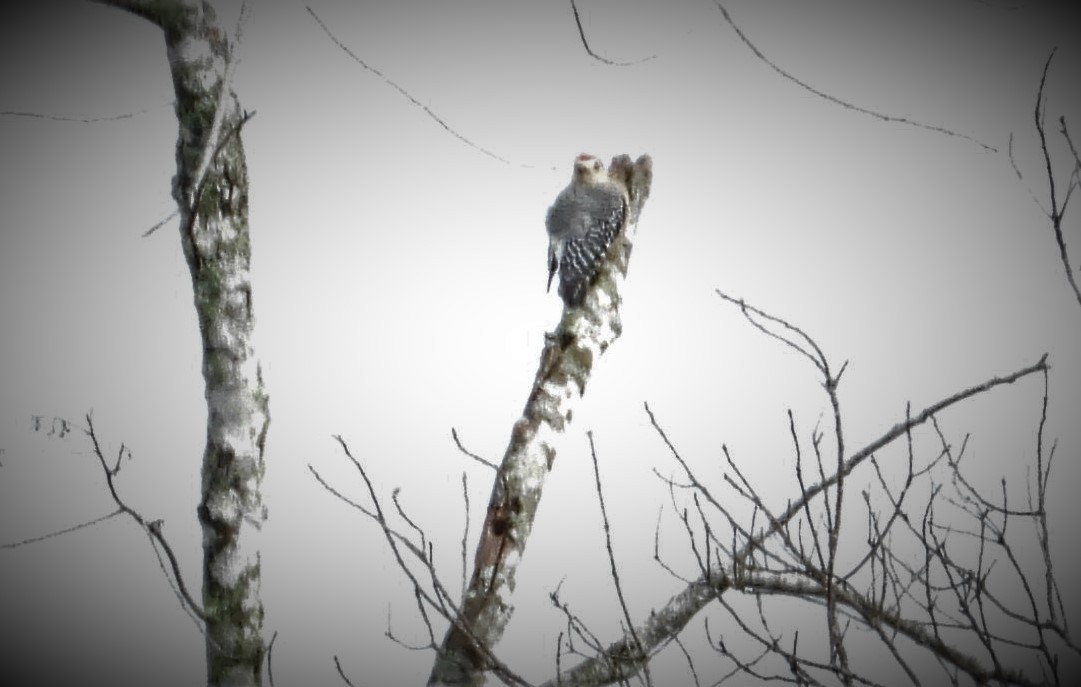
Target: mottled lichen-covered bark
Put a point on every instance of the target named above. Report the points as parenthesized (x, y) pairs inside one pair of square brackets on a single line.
[(583, 334), (211, 190), (218, 250), (621, 660)]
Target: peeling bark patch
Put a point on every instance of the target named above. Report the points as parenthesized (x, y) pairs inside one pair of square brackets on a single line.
[(500, 522)]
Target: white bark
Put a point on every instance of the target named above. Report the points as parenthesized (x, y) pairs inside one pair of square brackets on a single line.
[(211, 190)]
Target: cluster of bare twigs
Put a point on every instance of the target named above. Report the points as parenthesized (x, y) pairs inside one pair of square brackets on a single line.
[(912, 576), (1057, 210), (912, 586), (414, 555), (152, 528)]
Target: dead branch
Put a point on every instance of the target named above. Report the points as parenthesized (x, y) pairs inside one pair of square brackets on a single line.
[(583, 335)]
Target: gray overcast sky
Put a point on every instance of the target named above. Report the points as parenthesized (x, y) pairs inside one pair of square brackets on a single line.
[(398, 285)]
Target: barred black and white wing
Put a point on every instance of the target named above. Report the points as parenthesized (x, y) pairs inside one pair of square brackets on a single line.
[(582, 223), (583, 253)]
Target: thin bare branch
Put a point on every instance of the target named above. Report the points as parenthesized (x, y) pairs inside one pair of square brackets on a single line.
[(215, 142), (50, 535), (1057, 211), (1039, 116), (341, 673), (639, 656), (1055, 606), (837, 101), (474, 456), (212, 154), (589, 50), (160, 224), (817, 358), (465, 537), (270, 658), (77, 120), (1021, 178), (1069, 144), (690, 661), (409, 96), (576, 627), (838, 652)]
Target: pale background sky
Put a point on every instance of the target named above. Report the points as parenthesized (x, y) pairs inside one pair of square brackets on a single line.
[(398, 286)]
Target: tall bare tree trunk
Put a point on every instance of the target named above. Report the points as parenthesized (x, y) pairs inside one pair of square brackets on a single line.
[(211, 190)]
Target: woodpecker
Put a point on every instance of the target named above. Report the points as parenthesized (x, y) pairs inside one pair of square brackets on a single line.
[(582, 223)]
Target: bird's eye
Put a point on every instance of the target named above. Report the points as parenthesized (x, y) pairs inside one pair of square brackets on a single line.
[(597, 165)]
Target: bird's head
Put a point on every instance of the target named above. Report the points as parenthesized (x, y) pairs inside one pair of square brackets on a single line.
[(588, 168)]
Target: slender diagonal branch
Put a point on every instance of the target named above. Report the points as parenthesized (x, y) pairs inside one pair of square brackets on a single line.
[(66, 530), (639, 658), (837, 101), (408, 96), (78, 120)]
